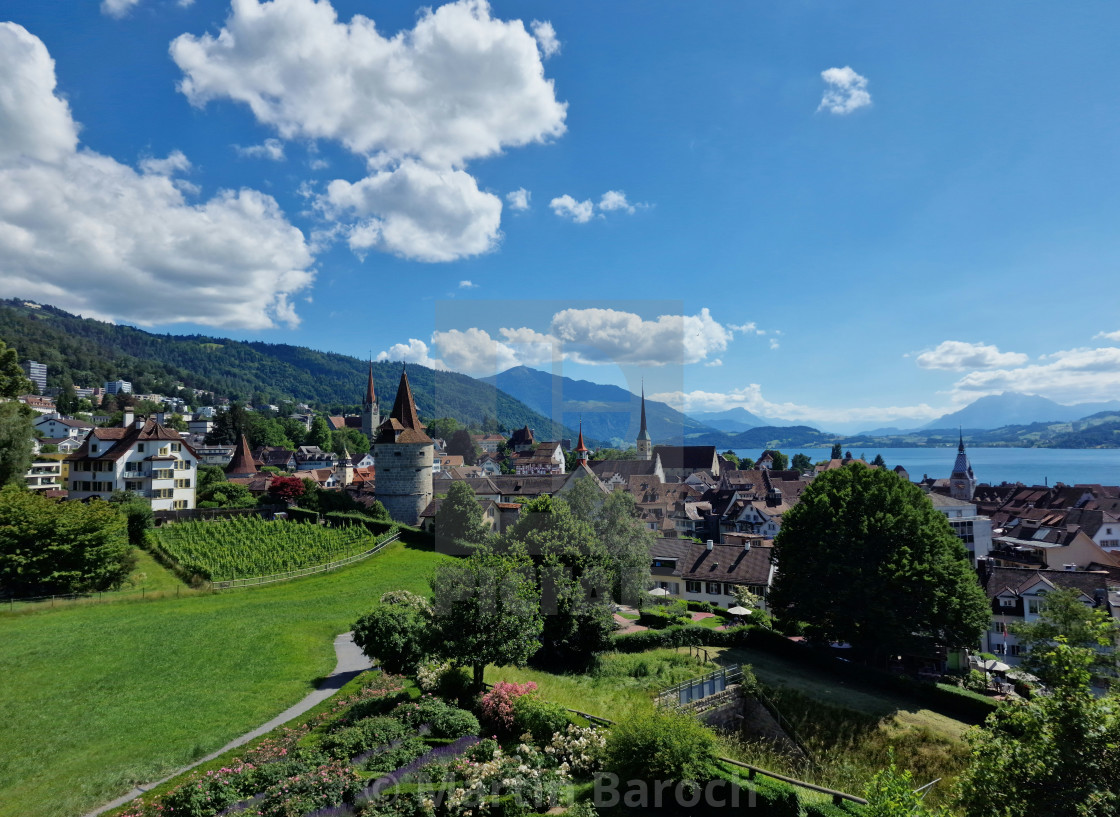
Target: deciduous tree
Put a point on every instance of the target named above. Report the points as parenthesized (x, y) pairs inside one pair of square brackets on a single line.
[(865, 558), (486, 610), (1065, 615), (802, 463), (458, 523)]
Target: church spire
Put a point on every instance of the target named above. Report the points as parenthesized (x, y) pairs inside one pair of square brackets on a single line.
[(243, 464), (645, 442), (962, 482), (371, 417), (581, 449)]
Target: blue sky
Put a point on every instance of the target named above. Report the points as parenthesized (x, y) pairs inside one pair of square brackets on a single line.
[(844, 213)]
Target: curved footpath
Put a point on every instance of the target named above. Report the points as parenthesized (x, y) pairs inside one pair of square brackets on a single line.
[(351, 662)]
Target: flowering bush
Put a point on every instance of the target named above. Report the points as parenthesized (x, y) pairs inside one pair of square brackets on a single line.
[(446, 720), (579, 747), (301, 794), (381, 694), (362, 736), (540, 718), (209, 793), (523, 776), (427, 677), (497, 704)]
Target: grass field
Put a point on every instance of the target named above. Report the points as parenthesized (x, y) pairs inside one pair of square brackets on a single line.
[(99, 697)]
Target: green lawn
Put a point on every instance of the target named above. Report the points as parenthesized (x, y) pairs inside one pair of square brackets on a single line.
[(98, 697)]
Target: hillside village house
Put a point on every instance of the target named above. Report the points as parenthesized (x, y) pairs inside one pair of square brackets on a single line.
[(1018, 594), (547, 458), (971, 528), (711, 572), (55, 426), (143, 457)]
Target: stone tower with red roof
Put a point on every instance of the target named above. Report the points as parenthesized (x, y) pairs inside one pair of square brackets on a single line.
[(402, 460)]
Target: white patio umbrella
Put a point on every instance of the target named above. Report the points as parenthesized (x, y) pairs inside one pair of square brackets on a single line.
[(738, 610), (659, 591), (994, 666)]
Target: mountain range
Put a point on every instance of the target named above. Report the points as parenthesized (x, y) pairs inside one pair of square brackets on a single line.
[(1013, 408)]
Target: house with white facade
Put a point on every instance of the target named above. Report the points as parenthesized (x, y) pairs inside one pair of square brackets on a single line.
[(711, 572), (144, 457), (56, 426), (968, 525)]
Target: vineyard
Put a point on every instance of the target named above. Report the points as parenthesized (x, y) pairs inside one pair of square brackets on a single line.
[(250, 546)]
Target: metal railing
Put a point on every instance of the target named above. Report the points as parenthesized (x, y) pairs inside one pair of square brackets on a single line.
[(272, 578), (696, 689)]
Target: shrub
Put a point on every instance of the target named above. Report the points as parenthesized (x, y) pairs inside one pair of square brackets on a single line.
[(777, 799), (393, 756), (328, 785), (362, 736), (209, 793), (496, 706), (483, 751), (451, 722), (540, 718), (659, 620), (660, 745)]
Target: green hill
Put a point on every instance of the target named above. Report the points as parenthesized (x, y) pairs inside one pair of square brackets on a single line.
[(88, 352)]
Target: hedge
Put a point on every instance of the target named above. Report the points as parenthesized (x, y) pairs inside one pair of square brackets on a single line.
[(687, 635), (408, 534), (708, 607), (302, 514)]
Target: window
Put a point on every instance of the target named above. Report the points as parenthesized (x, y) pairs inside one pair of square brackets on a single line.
[(163, 493), (176, 447), (999, 627), (692, 587), (714, 588), (179, 504), (1013, 649), (664, 562), (162, 473), (139, 448), (1006, 602), (182, 483), (998, 649), (1034, 606), (728, 589)]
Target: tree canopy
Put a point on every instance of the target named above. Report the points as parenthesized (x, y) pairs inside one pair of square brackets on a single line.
[(802, 463), (865, 558), (1064, 615), (486, 610), (458, 523)]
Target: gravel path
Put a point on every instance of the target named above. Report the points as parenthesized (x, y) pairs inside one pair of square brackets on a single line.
[(351, 662)]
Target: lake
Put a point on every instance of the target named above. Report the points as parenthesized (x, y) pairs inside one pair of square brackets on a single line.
[(1031, 466)]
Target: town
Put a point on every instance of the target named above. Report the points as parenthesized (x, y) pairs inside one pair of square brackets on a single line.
[(705, 543)]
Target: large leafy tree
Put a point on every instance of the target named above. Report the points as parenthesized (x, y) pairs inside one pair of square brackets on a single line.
[(459, 520), (16, 434), (396, 633), (460, 443), (781, 461), (1057, 755), (865, 558), (802, 463), (486, 610), (13, 383), (60, 547), (575, 576), (627, 541)]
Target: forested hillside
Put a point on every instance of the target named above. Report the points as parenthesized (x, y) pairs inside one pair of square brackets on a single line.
[(87, 352)]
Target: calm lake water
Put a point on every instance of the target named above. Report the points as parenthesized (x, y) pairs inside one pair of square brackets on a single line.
[(1031, 466)]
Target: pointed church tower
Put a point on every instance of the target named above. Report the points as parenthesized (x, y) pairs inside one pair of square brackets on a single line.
[(402, 459), (962, 483), (242, 464), (371, 417), (645, 442), (581, 449)]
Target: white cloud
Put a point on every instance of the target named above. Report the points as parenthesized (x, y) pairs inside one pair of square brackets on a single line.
[(615, 200), (1108, 335), (91, 235), (846, 91), (460, 85), (714, 363), (958, 355), (519, 199), (774, 343), (176, 162), (1070, 376), (467, 285), (117, 8), (270, 149), (751, 398), (578, 211), (474, 351), (417, 212), (419, 105), (610, 336), (318, 164), (415, 351), (546, 38)]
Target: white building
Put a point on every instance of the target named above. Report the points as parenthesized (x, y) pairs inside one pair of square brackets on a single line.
[(55, 426), (143, 457), (971, 528), (45, 474), (118, 387)]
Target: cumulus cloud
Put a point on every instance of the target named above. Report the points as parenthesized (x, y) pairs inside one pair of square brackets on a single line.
[(750, 397), (270, 149), (774, 343), (415, 351), (519, 199), (1108, 335), (91, 235), (615, 200), (467, 285), (567, 207), (117, 8), (1070, 376), (956, 355), (581, 212), (460, 85), (611, 336), (846, 91), (417, 212), (546, 38), (475, 351)]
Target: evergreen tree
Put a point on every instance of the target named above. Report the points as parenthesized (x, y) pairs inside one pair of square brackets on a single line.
[(320, 434), (837, 452), (16, 435), (458, 523), (802, 463), (13, 382)]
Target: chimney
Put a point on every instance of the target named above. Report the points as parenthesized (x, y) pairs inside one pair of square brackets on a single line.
[(129, 418), (747, 545), (161, 417), (710, 545)]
